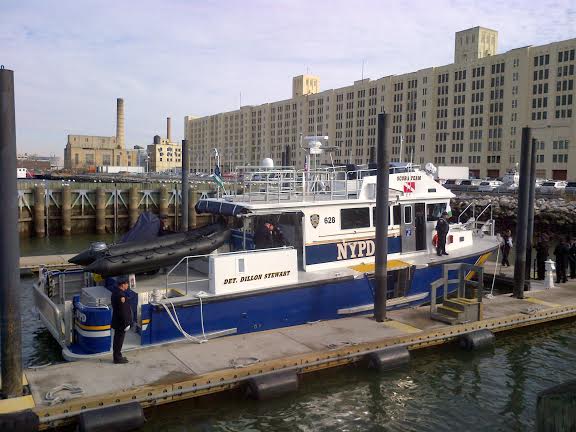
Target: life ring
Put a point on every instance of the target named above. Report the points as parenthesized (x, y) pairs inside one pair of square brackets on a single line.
[(435, 240)]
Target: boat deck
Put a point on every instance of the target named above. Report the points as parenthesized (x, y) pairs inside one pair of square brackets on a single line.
[(198, 282), (182, 370)]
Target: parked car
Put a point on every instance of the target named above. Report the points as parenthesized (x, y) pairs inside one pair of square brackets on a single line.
[(489, 185), (552, 186), (507, 187), (469, 185), (451, 184), (570, 187)]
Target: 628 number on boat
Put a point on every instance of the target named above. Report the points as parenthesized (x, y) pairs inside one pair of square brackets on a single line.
[(329, 220)]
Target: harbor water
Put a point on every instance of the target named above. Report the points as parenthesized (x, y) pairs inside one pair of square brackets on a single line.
[(442, 389)]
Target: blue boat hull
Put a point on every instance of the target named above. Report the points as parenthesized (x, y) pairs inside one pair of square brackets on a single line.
[(269, 309)]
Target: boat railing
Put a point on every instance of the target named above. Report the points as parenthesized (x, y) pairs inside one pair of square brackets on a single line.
[(182, 276), (481, 227), (52, 314), (287, 183)]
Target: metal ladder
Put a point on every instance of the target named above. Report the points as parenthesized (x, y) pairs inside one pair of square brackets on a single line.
[(466, 303)]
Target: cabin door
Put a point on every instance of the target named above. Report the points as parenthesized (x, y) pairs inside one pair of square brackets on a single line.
[(408, 228), (420, 225)]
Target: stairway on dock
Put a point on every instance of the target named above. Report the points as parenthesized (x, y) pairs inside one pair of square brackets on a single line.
[(466, 305)]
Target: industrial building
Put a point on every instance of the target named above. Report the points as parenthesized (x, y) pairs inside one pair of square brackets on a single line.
[(164, 154), (87, 152), (470, 112)]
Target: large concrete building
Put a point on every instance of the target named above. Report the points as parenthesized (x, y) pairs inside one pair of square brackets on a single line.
[(470, 112), (164, 154), (87, 152)]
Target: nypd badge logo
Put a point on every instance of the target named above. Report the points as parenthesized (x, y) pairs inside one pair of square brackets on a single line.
[(314, 220)]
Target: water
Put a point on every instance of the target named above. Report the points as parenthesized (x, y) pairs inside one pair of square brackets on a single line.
[(442, 389)]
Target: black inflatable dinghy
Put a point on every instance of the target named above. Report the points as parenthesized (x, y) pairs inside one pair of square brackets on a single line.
[(139, 258), (101, 249)]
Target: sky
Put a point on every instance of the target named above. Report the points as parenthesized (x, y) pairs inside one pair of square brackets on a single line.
[(72, 59)]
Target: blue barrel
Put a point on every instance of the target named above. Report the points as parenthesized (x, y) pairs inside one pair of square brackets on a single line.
[(92, 331)]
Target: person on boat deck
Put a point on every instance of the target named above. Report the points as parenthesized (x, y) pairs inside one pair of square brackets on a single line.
[(561, 253), (268, 236), (506, 247), (541, 256), (121, 318), (442, 228), (164, 227), (111, 284)]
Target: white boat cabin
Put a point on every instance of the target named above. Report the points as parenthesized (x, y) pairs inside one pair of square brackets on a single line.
[(329, 217)]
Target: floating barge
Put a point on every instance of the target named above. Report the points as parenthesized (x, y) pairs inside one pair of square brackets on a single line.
[(182, 370)]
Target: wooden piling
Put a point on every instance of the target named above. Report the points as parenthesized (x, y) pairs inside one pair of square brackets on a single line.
[(39, 211), (66, 210), (163, 201), (100, 211), (192, 217), (133, 204)]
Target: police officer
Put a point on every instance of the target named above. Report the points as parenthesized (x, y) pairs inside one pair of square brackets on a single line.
[(268, 236), (561, 252), (442, 228), (541, 257), (121, 318)]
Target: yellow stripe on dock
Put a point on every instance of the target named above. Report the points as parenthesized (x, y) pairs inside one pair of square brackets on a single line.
[(19, 403), (401, 326), (541, 302)]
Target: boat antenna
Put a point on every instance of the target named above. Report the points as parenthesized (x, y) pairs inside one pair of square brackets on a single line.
[(401, 144)]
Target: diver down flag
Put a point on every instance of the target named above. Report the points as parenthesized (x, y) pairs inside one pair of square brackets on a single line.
[(409, 187)]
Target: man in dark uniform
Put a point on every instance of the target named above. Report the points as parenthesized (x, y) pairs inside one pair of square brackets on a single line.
[(121, 318), (268, 236), (541, 257), (572, 255), (561, 252), (442, 228)]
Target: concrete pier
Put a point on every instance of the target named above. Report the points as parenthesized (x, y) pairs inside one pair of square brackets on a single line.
[(99, 208)]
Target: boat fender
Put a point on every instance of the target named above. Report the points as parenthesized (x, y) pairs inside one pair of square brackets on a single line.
[(118, 418), (388, 358), (21, 421), (272, 385), (475, 340)]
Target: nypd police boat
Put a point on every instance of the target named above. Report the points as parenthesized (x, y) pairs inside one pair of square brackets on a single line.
[(324, 271)]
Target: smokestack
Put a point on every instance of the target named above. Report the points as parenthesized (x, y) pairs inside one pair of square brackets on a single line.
[(120, 141), (169, 129)]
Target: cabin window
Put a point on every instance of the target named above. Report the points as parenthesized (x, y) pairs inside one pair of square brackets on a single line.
[(393, 215), (408, 214), (396, 215), (374, 219), (434, 211), (351, 218), (241, 265)]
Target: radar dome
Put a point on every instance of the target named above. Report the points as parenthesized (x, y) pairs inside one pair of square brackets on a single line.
[(267, 163)]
